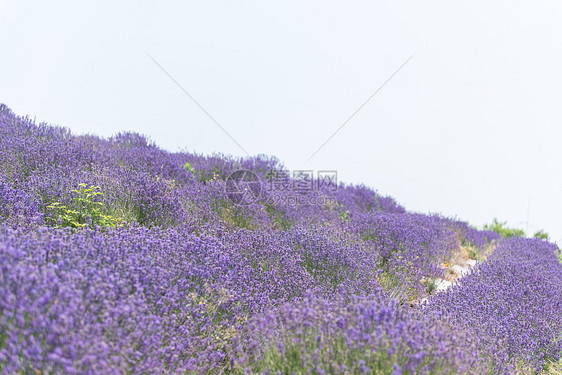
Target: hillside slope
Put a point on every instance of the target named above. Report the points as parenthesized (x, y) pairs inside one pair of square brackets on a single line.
[(119, 257)]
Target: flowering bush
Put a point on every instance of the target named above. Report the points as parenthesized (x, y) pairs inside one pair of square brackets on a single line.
[(355, 335), (513, 302)]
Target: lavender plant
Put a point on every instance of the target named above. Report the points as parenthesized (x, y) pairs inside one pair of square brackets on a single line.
[(513, 302), (355, 335)]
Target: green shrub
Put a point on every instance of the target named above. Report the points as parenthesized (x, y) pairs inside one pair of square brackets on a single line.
[(345, 216), (503, 230), (188, 168), (542, 235), (84, 210)]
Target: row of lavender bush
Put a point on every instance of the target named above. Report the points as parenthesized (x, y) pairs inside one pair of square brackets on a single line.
[(119, 257), (513, 302)]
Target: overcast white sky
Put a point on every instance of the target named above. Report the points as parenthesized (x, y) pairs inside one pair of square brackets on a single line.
[(470, 127)]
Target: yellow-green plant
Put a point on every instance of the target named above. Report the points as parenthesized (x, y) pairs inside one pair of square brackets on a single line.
[(188, 168), (85, 210)]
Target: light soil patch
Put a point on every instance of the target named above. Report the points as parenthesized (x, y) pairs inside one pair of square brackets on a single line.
[(460, 264), (463, 261)]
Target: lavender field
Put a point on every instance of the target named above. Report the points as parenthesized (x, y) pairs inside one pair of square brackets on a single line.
[(118, 257)]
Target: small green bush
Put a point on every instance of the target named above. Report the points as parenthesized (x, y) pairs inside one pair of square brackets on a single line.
[(85, 210), (503, 230), (188, 168), (542, 235)]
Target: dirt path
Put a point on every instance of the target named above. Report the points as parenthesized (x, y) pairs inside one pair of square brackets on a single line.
[(459, 265)]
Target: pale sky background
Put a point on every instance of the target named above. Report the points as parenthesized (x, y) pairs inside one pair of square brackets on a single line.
[(470, 127)]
